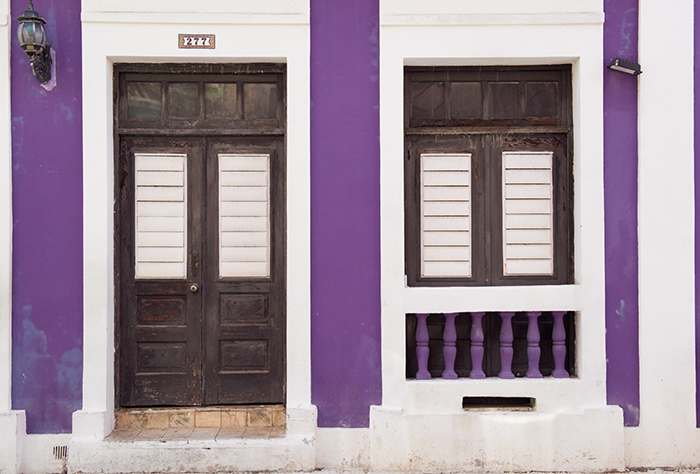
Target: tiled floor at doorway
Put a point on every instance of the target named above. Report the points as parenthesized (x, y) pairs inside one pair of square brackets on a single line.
[(199, 424)]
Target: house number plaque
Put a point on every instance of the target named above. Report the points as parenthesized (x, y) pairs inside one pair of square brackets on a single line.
[(196, 41)]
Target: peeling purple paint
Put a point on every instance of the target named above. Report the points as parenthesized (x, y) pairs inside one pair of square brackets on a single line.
[(47, 226), (621, 256), (345, 266)]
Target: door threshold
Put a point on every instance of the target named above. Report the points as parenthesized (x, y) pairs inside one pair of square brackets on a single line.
[(237, 419)]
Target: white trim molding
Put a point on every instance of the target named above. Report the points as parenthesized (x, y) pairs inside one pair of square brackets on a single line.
[(123, 40), (578, 18), (5, 215), (12, 422)]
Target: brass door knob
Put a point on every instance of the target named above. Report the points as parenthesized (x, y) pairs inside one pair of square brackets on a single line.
[(194, 288)]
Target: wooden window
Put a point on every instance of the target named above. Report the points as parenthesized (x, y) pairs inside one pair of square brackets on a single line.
[(445, 215), (244, 211), (246, 99), (528, 239), (488, 176), (161, 215)]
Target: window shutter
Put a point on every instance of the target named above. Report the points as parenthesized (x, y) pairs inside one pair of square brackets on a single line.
[(528, 238), (244, 215), (445, 200), (161, 215)]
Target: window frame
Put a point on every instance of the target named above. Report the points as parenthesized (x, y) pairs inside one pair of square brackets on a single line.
[(486, 140)]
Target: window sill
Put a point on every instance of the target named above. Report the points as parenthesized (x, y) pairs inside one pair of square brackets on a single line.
[(490, 298)]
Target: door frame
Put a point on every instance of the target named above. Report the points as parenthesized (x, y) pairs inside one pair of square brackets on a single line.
[(268, 39), (276, 136), (201, 312)]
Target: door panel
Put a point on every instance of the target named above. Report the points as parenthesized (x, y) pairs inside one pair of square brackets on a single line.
[(245, 295), (201, 271), (160, 330)]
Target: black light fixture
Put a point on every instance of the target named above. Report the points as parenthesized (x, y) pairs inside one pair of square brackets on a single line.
[(626, 66), (32, 39)]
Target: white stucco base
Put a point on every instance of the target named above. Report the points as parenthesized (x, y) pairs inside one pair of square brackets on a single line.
[(92, 424), (292, 453), (590, 440), (670, 446), (12, 433), (38, 455), (90, 453), (342, 448)]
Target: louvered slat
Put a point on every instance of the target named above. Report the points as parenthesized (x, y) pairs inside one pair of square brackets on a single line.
[(244, 215), (445, 197), (528, 231), (161, 215)]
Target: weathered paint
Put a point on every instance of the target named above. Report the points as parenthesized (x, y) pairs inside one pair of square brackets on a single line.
[(345, 267), (47, 220), (696, 136), (621, 256)]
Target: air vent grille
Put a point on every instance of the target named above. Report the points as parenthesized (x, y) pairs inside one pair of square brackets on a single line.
[(60, 452)]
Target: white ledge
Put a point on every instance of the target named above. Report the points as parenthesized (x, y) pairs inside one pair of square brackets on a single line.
[(490, 298), (190, 18), (473, 19)]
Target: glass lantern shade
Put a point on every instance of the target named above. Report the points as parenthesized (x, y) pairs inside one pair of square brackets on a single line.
[(31, 32), (32, 38)]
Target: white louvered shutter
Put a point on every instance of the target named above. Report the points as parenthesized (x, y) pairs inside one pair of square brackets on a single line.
[(445, 207), (161, 215), (244, 215), (528, 230)]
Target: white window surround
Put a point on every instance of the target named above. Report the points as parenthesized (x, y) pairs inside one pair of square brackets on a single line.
[(413, 34), (281, 35)]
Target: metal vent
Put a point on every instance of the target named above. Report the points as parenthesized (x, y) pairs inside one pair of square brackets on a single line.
[(60, 452), (498, 403)]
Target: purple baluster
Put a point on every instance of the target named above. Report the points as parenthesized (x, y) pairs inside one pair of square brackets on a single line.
[(449, 350), (559, 345), (422, 349), (533, 346), (477, 349), (506, 345)]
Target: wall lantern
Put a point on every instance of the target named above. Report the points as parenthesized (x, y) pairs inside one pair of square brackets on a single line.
[(626, 66), (32, 39)]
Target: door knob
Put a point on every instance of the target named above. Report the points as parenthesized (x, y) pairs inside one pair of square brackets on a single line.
[(194, 288)]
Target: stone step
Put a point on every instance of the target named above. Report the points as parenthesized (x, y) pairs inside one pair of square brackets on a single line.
[(201, 417)]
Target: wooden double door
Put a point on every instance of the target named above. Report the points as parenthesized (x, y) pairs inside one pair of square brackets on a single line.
[(201, 270)]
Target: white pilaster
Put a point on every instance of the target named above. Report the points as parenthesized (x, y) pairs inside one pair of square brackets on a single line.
[(667, 435), (5, 213), (12, 423), (13, 433)]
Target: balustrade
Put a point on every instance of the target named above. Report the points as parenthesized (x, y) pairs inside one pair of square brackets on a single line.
[(507, 344)]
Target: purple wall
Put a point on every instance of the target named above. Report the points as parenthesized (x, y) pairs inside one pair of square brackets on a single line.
[(696, 78), (620, 151), (345, 267), (47, 218)]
